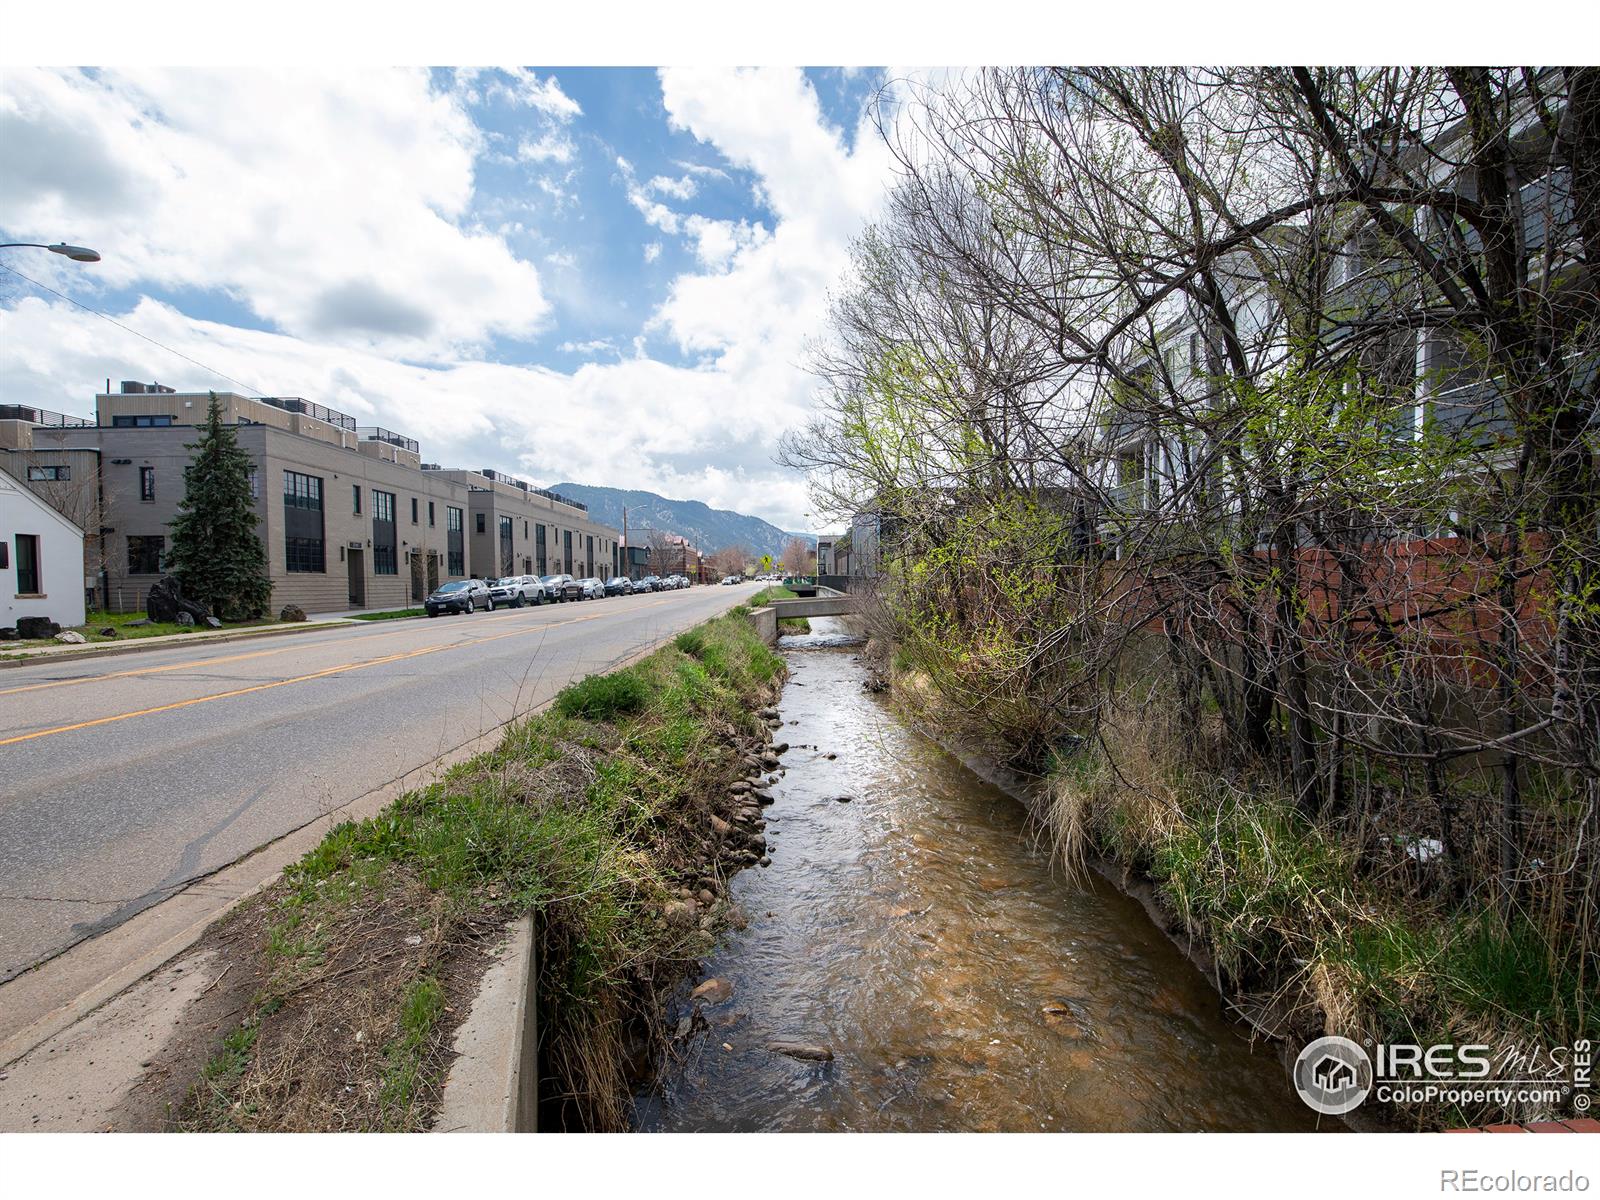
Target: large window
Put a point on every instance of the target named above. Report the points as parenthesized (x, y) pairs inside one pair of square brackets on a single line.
[(49, 474), (538, 548), (158, 421), (507, 531), (144, 553), (479, 522), (384, 555), (455, 550), (589, 560), (302, 523), (355, 498), (566, 536), (430, 514), (147, 483), (413, 510), (28, 564)]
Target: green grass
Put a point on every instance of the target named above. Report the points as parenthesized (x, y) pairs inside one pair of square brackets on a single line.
[(604, 697), (127, 630), (395, 614), (768, 594), (573, 817), (405, 1068), (1287, 905)]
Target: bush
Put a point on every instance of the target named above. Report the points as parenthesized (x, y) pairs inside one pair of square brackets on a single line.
[(604, 697)]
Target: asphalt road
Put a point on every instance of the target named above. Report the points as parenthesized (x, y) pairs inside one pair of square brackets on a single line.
[(122, 780)]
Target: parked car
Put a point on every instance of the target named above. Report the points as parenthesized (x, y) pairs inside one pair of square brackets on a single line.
[(562, 587), (516, 590), (650, 583), (593, 589), (617, 585), (729, 580), (461, 595)]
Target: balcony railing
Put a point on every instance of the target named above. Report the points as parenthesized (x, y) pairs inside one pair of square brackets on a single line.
[(308, 408), (42, 416), (375, 433)]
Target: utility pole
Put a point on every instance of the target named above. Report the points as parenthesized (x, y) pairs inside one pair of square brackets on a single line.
[(627, 564)]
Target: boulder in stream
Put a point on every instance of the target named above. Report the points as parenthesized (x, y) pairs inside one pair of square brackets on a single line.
[(713, 991), (808, 1051)]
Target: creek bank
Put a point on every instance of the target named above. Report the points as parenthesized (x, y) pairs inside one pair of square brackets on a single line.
[(920, 951), (1285, 1016), (610, 817)]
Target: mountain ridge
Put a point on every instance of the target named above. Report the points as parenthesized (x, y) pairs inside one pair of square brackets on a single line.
[(711, 529)]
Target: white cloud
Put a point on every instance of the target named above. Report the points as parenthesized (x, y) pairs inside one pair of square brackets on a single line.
[(365, 184), (524, 87), (219, 180), (552, 147), (681, 189), (592, 346)]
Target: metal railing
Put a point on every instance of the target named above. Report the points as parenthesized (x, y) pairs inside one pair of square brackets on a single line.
[(376, 433), (309, 408), (42, 416)]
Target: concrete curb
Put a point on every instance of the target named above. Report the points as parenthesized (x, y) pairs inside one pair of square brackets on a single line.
[(31, 658), (493, 1084), (86, 976)]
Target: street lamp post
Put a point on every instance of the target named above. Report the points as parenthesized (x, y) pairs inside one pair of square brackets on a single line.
[(75, 253)]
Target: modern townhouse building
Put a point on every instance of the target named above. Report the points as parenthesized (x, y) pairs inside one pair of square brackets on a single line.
[(350, 515), (515, 528)]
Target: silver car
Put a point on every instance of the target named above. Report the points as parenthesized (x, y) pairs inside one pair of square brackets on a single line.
[(514, 591), (593, 589)]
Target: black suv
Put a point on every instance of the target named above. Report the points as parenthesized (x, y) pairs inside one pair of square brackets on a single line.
[(562, 587), (462, 595)]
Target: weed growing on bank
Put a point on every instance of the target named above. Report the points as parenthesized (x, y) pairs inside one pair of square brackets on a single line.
[(1349, 931), (591, 816)]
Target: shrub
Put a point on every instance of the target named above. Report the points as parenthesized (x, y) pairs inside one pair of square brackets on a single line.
[(604, 697)]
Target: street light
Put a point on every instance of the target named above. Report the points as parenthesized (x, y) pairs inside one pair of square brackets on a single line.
[(75, 253)]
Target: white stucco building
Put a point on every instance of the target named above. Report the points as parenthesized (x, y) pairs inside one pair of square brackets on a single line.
[(41, 559)]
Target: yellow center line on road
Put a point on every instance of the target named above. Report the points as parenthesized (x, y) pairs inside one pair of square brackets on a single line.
[(277, 683), (365, 634)]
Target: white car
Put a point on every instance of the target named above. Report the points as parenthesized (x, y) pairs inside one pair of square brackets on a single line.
[(516, 590)]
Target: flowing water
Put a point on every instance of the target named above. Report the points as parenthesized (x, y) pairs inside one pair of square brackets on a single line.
[(919, 932)]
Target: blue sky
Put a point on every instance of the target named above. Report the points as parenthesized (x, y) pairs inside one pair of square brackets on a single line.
[(600, 274)]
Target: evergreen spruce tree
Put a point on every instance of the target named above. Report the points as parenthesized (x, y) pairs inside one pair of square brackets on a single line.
[(216, 553)]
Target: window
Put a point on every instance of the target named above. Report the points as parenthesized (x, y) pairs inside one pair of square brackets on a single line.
[(255, 485), (480, 522), (303, 554), (28, 564), (49, 474), (507, 532), (355, 498), (160, 421), (524, 526), (455, 550), (302, 523), (566, 536), (413, 510), (430, 514), (144, 554), (384, 557), (147, 483), (538, 547)]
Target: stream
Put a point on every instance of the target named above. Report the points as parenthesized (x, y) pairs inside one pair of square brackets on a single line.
[(920, 934)]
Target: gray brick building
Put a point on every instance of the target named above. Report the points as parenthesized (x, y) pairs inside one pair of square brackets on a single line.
[(350, 516)]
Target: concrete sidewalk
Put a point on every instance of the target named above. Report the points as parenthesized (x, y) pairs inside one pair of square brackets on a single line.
[(26, 654)]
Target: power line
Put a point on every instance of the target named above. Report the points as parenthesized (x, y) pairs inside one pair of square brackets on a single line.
[(107, 317)]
